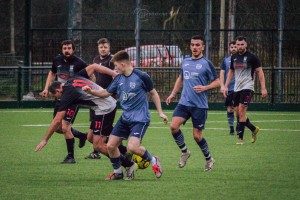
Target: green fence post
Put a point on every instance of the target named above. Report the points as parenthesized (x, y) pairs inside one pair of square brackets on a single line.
[(19, 69)]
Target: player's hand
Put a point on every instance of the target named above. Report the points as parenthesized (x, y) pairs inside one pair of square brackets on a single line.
[(44, 93), (222, 89), (87, 89), (40, 146), (165, 117), (264, 93), (225, 92), (199, 88), (170, 99)]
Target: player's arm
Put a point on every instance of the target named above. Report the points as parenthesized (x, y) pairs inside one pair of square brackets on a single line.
[(261, 78), (157, 103), (100, 69), (176, 89), (201, 88), (228, 80), (49, 80), (222, 73), (99, 93), (55, 124)]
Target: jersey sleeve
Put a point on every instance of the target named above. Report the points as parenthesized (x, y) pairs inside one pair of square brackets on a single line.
[(255, 62), (223, 65), (147, 81), (213, 74), (113, 87)]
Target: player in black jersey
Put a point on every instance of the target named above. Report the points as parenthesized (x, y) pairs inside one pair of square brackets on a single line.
[(102, 80), (65, 66)]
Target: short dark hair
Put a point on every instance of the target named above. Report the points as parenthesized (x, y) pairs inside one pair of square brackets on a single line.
[(120, 56), (241, 38), (232, 42), (54, 86), (198, 37), (66, 42), (103, 41)]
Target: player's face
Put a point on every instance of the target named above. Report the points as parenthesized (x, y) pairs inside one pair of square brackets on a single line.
[(67, 50), (57, 94), (241, 46), (103, 49), (119, 67), (232, 49), (196, 47)]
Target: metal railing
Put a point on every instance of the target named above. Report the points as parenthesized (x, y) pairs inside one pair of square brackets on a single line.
[(25, 83)]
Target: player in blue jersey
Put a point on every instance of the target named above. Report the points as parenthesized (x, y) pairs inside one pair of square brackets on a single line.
[(197, 76), (223, 75), (243, 65), (131, 86)]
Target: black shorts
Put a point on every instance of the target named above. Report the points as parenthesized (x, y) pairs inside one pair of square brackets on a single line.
[(103, 124), (243, 97), (71, 112), (229, 99)]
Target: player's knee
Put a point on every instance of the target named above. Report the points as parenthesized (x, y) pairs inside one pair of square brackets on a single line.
[(174, 128)]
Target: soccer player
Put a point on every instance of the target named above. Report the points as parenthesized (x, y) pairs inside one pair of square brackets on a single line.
[(63, 67), (243, 65), (70, 94), (131, 86), (223, 75), (104, 57), (197, 76)]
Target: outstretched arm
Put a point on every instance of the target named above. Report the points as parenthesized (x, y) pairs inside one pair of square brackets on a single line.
[(55, 124), (202, 88), (101, 69), (98, 93), (157, 102)]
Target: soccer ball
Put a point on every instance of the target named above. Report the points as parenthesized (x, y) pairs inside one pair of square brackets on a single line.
[(142, 164)]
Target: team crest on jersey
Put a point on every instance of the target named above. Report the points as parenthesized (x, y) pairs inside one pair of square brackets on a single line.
[(245, 58), (132, 85), (198, 66)]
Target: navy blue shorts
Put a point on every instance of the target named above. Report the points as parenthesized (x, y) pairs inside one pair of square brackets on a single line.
[(103, 124), (243, 97), (199, 115), (125, 129)]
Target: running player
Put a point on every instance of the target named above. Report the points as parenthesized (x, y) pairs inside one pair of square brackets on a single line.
[(243, 65), (131, 86), (197, 76), (229, 99)]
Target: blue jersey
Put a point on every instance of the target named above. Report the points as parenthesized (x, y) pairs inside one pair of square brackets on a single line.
[(132, 92), (226, 66), (196, 72)]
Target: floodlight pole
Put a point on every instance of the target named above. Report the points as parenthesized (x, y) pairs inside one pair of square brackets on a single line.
[(207, 27), (280, 32)]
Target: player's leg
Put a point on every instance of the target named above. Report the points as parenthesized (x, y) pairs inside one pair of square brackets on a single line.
[(94, 154), (230, 112), (180, 116), (199, 116), (66, 128), (245, 98), (71, 114)]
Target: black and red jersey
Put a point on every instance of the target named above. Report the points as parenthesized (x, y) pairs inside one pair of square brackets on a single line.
[(66, 68), (73, 94)]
